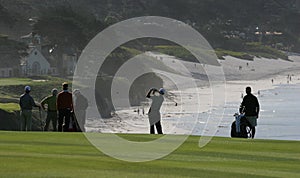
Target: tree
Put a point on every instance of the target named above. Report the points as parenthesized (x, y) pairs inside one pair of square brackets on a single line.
[(65, 27)]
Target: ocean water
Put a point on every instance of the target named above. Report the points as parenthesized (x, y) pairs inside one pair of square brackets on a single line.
[(279, 117)]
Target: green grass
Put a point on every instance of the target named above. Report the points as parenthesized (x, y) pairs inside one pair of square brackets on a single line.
[(9, 107), (176, 51), (259, 50), (241, 55), (12, 88), (251, 50), (132, 51), (71, 155), (15, 81)]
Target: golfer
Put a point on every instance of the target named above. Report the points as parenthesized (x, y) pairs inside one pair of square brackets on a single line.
[(154, 114)]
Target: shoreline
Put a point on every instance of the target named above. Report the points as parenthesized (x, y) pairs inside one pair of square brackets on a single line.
[(129, 121)]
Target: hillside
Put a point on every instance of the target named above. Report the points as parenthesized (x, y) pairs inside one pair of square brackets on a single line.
[(227, 24)]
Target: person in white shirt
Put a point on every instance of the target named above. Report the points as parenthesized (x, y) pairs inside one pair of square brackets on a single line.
[(154, 112)]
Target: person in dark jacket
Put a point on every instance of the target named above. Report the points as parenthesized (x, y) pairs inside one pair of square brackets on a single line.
[(250, 108), (50, 101), (64, 104), (26, 103)]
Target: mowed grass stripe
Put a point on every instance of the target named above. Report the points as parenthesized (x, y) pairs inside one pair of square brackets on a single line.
[(47, 154)]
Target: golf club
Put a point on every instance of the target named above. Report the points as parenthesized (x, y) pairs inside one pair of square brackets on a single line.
[(42, 124)]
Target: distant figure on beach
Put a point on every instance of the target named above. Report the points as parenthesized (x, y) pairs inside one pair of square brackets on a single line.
[(50, 101), (80, 106), (138, 111), (26, 103), (240, 67), (143, 111), (242, 95), (65, 106), (250, 108), (258, 92), (154, 112), (272, 80), (289, 78)]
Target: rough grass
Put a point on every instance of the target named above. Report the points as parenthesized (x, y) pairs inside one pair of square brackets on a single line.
[(15, 81), (251, 50), (12, 88), (9, 107), (71, 155), (241, 55), (176, 51)]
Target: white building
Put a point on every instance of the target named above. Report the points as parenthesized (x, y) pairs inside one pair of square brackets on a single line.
[(35, 63), (44, 59)]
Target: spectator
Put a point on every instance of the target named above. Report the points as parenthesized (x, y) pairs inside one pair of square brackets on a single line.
[(80, 106), (50, 101), (64, 106), (26, 103)]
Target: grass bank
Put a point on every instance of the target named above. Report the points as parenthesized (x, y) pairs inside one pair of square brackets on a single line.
[(10, 107), (12, 88), (250, 50), (38, 154)]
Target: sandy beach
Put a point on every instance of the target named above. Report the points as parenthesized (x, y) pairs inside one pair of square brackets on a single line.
[(267, 77)]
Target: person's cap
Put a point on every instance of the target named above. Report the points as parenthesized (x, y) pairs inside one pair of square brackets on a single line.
[(27, 88), (65, 84), (76, 91), (54, 91), (162, 91)]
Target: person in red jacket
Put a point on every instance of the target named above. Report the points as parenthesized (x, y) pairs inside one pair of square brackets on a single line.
[(64, 104)]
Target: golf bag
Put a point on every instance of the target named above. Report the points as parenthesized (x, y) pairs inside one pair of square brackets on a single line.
[(74, 126), (245, 129)]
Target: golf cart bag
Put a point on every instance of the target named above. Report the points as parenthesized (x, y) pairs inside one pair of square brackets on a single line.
[(245, 129), (74, 126)]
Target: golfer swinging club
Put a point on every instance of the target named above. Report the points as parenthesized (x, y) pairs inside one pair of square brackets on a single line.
[(154, 115)]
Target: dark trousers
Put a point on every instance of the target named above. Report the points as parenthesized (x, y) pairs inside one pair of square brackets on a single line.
[(51, 116), (253, 132), (158, 128), (64, 119)]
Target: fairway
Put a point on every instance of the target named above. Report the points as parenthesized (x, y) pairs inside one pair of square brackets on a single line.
[(38, 154)]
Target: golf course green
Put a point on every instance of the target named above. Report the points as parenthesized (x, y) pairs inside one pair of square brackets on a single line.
[(49, 154)]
